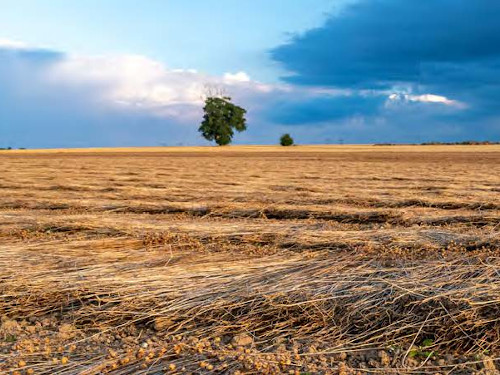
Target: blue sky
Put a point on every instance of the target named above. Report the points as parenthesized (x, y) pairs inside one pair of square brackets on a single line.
[(214, 36), (116, 73)]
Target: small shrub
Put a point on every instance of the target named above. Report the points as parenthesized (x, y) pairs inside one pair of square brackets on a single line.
[(286, 140)]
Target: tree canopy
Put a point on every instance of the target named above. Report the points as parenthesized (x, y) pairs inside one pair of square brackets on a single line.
[(221, 117), (286, 140)]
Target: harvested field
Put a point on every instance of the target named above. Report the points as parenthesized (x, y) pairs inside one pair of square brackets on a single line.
[(251, 260)]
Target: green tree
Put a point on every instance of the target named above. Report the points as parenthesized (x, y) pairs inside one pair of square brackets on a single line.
[(220, 119), (286, 140)]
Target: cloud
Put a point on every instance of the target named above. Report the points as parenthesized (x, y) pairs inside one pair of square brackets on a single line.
[(300, 110), (379, 43), (52, 99), (14, 44), (432, 62), (141, 83), (426, 98), (55, 99), (238, 77)]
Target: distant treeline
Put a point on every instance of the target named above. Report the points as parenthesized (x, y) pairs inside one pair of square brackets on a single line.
[(460, 143), (10, 148), (463, 143)]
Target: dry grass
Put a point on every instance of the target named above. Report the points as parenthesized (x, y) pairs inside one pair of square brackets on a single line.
[(343, 260)]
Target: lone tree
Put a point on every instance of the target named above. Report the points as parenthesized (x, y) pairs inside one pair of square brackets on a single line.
[(220, 119), (286, 140)]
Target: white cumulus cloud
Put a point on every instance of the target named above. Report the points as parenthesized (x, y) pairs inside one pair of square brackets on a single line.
[(425, 98), (237, 77), (12, 44), (142, 83)]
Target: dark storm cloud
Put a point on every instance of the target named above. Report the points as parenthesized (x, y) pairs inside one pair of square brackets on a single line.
[(319, 109), (379, 43), (449, 48)]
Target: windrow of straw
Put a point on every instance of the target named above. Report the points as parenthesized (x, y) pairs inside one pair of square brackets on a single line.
[(343, 302)]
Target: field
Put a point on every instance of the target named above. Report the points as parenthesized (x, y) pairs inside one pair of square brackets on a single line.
[(251, 260)]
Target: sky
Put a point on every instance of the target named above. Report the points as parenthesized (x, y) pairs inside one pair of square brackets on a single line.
[(88, 73)]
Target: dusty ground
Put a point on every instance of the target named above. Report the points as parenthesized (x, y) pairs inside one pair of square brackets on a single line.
[(250, 260)]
